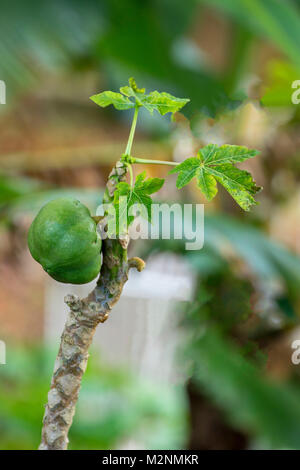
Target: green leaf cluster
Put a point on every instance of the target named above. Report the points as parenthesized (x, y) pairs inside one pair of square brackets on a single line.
[(131, 97), (216, 164), (138, 194)]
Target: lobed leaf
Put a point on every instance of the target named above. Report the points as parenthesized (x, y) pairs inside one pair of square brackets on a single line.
[(215, 164), (215, 155), (138, 194), (132, 96), (106, 98), (187, 170), (238, 183), (163, 102), (206, 183)]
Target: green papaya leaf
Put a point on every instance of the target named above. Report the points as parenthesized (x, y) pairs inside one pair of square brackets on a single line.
[(238, 183), (106, 98), (215, 155), (187, 170), (162, 102), (138, 194), (206, 183), (131, 96), (216, 164)]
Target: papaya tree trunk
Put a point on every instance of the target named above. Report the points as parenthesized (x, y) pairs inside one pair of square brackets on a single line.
[(83, 318)]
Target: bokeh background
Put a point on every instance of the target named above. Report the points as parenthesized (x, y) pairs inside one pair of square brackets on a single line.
[(197, 354)]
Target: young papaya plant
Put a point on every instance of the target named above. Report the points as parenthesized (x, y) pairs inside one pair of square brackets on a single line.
[(64, 239)]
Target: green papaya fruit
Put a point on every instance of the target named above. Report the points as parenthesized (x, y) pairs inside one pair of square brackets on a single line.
[(63, 238)]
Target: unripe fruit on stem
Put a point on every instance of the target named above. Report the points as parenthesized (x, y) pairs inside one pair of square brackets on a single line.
[(63, 238)]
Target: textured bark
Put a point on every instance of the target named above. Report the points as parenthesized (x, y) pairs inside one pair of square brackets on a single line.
[(83, 318)]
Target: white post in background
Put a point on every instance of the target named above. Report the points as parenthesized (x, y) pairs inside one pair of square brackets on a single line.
[(142, 332), (2, 92), (2, 352)]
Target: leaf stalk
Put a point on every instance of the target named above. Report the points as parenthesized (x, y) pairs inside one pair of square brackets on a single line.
[(154, 162), (132, 131)]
